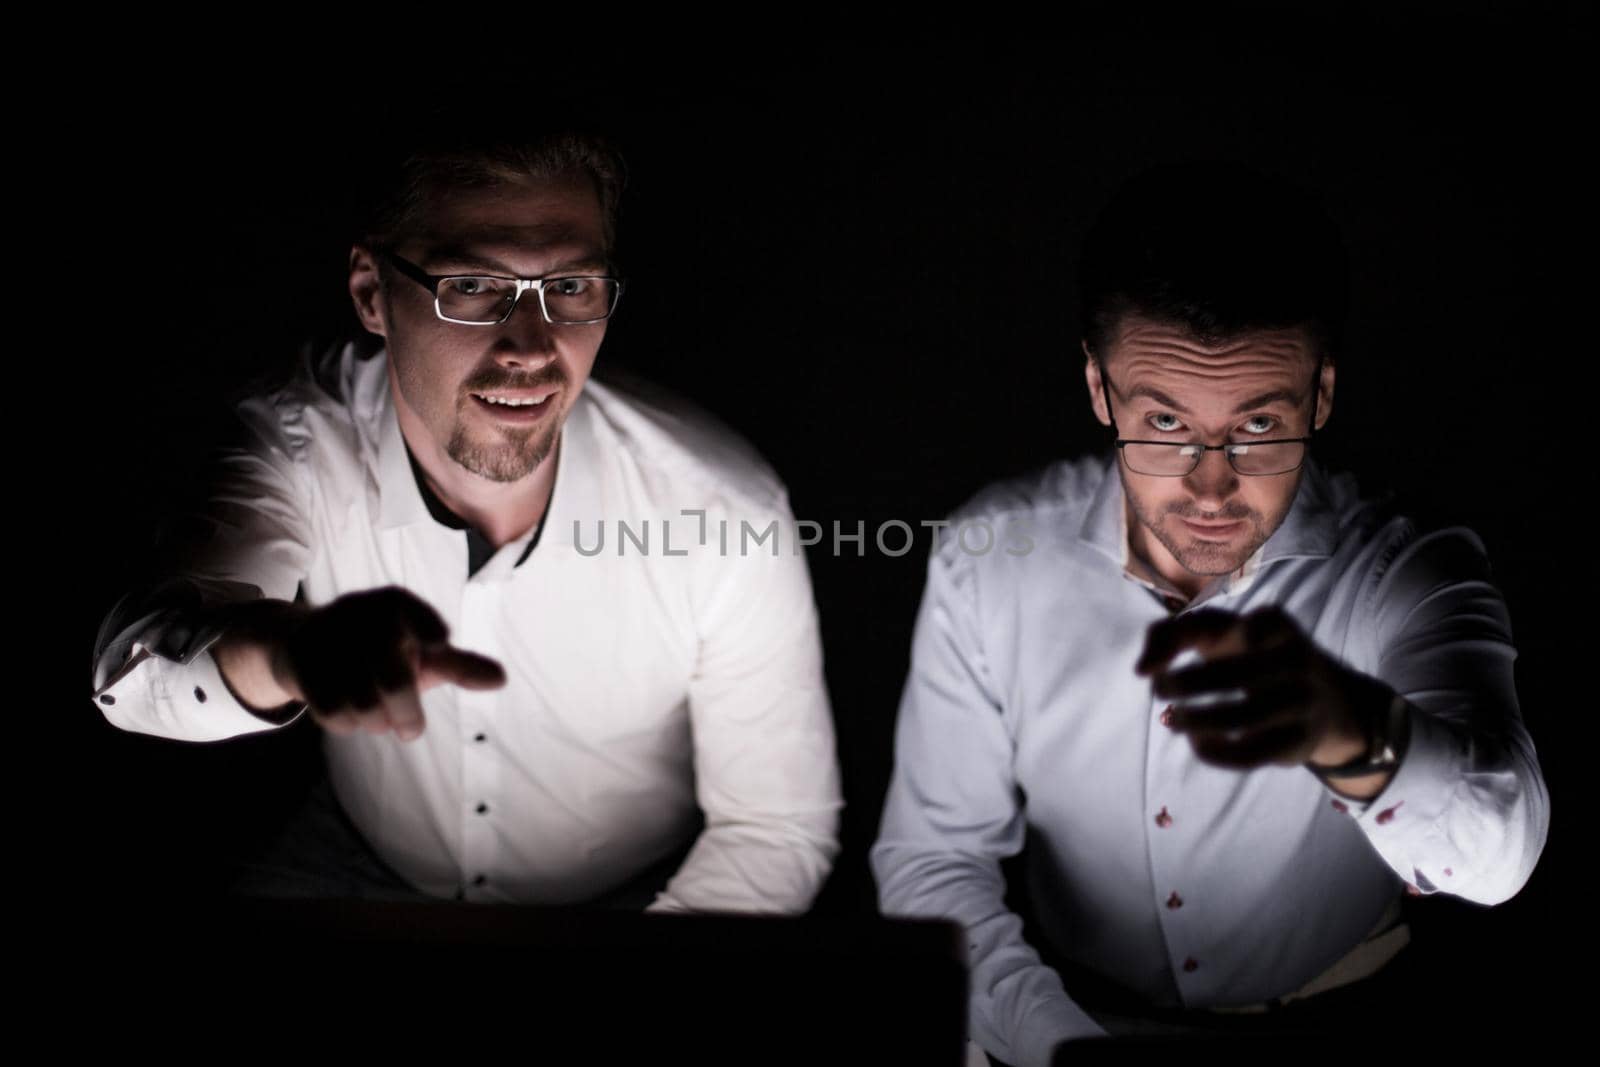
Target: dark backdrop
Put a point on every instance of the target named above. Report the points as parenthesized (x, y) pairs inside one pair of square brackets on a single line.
[(811, 242)]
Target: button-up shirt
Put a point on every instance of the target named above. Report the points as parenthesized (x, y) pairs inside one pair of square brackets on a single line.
[(659, 669), (1022, 722)]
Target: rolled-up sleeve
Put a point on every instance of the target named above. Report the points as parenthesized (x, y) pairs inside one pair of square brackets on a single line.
[(248, 538), (765, 763), (1467, 812), (954, 811)]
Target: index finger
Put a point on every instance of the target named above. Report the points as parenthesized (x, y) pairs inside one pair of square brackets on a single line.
[(446, 663), (1168, 637)]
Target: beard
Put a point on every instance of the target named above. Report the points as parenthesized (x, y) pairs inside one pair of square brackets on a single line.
[(504, 454), (513, 457), (1208, 558), (491, 450)]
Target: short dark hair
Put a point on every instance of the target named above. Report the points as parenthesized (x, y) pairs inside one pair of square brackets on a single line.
[(440, 152), (1219, 249)]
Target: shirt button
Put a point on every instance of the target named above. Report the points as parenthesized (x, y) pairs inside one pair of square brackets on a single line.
[(1163, 820), (480, 737), (1174, 901), (481, 879), (482, 808), (1166, 716), (1340, 806), (200, 694), (1190, 964), (107, 698)]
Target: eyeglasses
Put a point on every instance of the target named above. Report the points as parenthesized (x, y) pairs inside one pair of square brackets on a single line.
[(485, 300), (1178, 459)]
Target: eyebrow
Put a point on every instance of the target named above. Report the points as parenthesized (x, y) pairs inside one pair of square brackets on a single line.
[(1272, 397), (1267, 399)]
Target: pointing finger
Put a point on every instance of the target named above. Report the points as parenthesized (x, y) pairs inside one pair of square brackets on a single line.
[(1235, 672), (445, 663), (1263, 707), (1168, 637)]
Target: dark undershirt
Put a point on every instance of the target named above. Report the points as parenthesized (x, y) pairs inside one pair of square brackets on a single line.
[(479, 550)]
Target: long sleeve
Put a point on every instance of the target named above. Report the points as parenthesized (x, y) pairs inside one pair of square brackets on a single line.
[(250, 538), (1467, 812), (954, 811), (765, 765)]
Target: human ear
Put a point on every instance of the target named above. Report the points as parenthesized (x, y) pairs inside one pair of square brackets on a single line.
[(1325, 394), (1097, 393), (367, 291)]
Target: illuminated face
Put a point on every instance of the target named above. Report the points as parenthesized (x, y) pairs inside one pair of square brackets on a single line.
[(460, 390), (1164, 386)]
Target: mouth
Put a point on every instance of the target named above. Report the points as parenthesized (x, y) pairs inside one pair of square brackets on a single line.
[(1213, 531), (520, 406)]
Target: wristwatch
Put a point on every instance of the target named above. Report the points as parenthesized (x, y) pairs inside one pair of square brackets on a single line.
[(1385, 746)]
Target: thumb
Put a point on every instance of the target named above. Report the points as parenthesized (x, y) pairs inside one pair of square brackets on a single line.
[(442, 663)]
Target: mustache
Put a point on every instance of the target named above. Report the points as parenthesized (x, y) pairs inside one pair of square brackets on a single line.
[(488, 383)]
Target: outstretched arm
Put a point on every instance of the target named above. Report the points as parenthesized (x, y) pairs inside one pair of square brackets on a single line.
[(1428, 667), (154, 671), (1467, 811)]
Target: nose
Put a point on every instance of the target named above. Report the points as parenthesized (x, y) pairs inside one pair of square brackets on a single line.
[(1212, 482), (526, 341)]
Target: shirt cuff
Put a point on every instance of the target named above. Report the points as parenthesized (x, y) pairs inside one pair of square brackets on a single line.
[(1398, 819), (1047, 1025), (183, 700)]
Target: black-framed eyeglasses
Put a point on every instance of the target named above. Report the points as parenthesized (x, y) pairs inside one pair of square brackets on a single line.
[(1179, 459), (487, 300)]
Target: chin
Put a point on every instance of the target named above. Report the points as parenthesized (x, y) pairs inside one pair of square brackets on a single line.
[(1208, 557), (500, 461)]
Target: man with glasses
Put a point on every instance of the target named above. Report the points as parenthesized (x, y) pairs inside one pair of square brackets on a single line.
[(541, 678), (1223, 711)]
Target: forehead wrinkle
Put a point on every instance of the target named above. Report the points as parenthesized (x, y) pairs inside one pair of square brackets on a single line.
[(1139, 332), (1254, 375), (1168, 359), (1218, 392)]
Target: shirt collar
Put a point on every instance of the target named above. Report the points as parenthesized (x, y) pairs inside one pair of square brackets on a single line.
[(400, 502), (1308, 530)]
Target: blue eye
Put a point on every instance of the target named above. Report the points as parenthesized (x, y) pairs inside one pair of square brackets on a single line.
[(1271, 424), (1155, 423)]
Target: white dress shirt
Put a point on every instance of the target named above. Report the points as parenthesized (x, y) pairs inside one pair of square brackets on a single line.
[(641, 682), (1192, 885)]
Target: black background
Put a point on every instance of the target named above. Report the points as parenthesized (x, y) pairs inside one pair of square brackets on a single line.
[(810, 240)]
